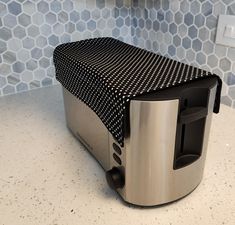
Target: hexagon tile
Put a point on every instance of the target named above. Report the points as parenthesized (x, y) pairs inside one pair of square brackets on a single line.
[(183, 30), (31, 29)]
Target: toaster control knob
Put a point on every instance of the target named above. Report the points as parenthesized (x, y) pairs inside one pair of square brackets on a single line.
[(115, 178)]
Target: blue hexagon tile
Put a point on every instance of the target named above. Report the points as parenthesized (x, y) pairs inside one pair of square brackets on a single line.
[(183, 30), (31, 29)]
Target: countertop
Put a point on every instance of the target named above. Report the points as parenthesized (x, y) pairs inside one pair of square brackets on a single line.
[(47, 177)]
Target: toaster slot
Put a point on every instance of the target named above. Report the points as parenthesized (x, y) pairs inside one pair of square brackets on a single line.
[(191, 125), (189, 143)]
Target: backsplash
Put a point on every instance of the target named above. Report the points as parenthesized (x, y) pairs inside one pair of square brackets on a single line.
[(180, 29), (30, 30), (185, 30)]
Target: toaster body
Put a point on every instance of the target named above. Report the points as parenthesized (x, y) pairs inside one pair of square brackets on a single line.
[(165, 143)]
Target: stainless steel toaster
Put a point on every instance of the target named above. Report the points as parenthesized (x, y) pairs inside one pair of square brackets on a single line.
[(165, 143)]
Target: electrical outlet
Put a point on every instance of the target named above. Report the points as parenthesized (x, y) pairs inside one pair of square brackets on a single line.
[(226, 31)]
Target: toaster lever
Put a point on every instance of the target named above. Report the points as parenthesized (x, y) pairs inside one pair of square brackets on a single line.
[(192, 113)]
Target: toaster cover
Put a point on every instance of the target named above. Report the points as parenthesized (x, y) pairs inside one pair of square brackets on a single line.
[(106, 74)]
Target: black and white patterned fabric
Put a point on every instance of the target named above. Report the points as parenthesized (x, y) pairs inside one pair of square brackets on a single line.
[(106, 74)]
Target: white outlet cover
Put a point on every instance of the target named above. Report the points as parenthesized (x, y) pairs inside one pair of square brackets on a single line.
[(225, 22)]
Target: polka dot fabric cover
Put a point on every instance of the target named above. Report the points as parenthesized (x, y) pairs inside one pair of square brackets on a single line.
[(106, 74)]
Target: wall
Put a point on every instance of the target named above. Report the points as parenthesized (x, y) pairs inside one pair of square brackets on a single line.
[(180, 29), (30, 30), (185, 30)]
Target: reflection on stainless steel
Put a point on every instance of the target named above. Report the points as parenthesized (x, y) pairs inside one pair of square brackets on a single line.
[(87, 127)]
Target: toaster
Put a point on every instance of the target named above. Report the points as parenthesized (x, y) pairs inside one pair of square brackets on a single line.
[(165, 141)]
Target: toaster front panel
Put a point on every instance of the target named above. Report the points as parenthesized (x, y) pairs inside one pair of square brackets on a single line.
[(149, 154)]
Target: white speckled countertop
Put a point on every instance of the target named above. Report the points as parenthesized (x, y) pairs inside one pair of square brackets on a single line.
[(47, 177)]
